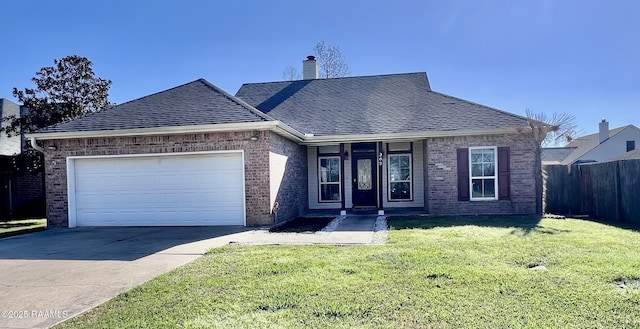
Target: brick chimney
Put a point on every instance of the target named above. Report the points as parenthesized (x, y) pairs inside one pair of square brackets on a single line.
[(309, 68), (604, 130)]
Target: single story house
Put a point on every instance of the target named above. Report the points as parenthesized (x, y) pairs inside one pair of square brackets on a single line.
[(196, 155)]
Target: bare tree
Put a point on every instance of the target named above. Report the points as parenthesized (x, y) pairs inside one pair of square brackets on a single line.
[(331, 62), (566, 131), (290, 74), (547, 131)]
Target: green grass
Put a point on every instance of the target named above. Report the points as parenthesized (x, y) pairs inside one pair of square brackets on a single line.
[(432, 273), (22, 226)]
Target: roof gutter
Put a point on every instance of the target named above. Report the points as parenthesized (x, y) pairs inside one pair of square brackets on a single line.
[(321, 140), (35, 145), (275, 126)]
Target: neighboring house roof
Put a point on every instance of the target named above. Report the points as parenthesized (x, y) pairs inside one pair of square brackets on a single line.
[(381, 104), (195, 103), (555, 155), (631, 155), (8, 145), (587, 143)]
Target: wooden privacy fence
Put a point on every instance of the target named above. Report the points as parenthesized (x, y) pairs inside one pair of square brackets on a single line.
[(607, 190)]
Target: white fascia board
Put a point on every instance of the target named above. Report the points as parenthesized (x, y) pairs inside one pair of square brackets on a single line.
[(275, 126), (322, 140), (288, 131)]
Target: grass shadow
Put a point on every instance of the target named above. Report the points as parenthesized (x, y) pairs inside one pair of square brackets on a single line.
[(538, 229), (623, 224), (522, 224), (303, 225)]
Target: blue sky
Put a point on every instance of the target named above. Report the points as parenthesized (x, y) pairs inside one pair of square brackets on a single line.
[(576, 56)]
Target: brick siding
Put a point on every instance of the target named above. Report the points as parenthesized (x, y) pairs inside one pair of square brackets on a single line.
[(442, 188), (292, 194), (439, 163), (29, 195), (256, 155)]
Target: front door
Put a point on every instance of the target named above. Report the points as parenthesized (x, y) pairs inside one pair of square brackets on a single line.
[(363, 167)]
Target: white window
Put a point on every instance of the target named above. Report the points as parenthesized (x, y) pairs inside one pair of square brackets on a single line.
[(399, 177), (483, 162), (329, 179)]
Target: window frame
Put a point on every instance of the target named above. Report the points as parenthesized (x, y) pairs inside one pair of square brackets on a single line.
[(494, 177), (631, 145), (339, 182), (410, 181)]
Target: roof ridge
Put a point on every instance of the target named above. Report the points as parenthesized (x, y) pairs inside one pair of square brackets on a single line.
[(338, 78), (621, 128), (237, 100), (156, 93)]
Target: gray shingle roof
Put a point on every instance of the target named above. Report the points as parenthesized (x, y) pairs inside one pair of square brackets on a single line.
[(195, 103), (396, 103), (631, 155), (555, 155)]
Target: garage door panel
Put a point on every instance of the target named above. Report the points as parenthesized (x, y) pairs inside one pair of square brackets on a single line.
[(116, 182), (174, 190), (163, 219), (186, 197), (150, 209)]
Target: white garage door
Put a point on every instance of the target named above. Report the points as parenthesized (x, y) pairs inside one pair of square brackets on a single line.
[(159, 190)]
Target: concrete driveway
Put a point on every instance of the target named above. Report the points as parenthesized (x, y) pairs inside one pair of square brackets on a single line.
[(48, 277)]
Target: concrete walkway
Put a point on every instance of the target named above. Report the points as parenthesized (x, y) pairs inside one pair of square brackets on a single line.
[(49, 277), (344, 230)]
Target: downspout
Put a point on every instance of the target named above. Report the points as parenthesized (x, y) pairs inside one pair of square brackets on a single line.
[(35, 145), (380, 197), (343, 159)]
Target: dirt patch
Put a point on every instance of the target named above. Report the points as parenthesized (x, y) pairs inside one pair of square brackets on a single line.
[(627, 283), (303, 225), (537, 267)]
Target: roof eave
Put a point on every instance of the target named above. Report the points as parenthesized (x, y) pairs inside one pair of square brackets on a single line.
[(275, 126), (320, 140)]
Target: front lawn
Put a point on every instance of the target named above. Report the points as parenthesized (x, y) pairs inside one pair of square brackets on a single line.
[(432, 273), (21, 226)]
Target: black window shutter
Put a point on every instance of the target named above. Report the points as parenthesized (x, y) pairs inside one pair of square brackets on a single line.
[(463, 174), (504, 173)]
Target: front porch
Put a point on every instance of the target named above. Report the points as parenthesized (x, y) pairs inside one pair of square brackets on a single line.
[(367, 176)]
